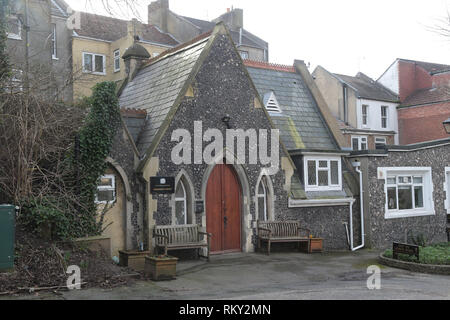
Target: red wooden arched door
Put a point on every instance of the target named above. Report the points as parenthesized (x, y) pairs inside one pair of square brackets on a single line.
[(223, 209)]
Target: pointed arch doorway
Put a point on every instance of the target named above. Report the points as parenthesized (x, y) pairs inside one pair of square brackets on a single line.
[(223, 209)]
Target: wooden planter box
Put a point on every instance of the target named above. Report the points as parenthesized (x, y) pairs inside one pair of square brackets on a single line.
[(161, 268), (133, 259), (315, 245)]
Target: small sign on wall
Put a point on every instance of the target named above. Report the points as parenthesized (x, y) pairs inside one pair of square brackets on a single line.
[(162, 185), (199, 206)]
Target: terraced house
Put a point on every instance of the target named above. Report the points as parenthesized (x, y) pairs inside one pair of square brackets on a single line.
[(365, 110), (99, 44)]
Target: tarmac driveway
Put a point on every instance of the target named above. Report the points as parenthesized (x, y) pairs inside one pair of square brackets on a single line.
[(281, 276)]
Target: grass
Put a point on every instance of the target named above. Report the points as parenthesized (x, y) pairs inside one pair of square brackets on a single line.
[(438, 254)]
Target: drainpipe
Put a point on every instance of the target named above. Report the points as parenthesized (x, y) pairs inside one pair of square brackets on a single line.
[(357, 166)]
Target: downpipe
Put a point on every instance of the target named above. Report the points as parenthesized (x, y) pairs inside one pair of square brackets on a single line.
[(357, 166)]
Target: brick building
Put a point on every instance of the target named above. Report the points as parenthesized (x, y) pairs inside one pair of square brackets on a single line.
[(424, 92)]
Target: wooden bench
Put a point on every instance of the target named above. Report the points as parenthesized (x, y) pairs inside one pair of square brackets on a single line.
[(181, 238), (281, 231)]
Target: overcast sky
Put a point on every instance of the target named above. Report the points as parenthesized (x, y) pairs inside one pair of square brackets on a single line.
[(344, 36)]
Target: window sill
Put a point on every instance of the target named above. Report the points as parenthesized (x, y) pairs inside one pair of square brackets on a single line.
[(320, 203), (14, 37), (408, 214), (95, 73), (55, 58)]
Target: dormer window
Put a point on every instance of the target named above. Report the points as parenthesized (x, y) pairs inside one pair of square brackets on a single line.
[(323, 173), (271, 103)]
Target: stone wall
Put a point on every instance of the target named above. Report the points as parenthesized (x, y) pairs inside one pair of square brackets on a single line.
[(383, 231)]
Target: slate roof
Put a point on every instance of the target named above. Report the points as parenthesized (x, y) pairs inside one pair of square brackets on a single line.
[(368, 88), (248, 39), (156, 87), (112, 29), (301, 125), (427, 96)]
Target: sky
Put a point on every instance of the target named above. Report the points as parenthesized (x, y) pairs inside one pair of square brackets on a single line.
[(346, 36)]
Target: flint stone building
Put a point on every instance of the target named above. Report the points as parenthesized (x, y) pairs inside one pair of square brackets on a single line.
[(318, 182)]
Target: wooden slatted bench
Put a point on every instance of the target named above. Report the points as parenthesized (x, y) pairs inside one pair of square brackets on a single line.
[(281, 231), (181, 238)]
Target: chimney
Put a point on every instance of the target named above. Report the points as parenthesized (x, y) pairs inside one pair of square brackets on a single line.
[(233, 19), (134, 57), (158, 12)]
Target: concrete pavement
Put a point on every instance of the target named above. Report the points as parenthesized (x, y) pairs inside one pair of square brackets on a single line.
[(282, 276)]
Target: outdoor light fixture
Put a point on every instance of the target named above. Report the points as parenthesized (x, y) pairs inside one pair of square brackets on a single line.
[(227, 120), (447, 125)]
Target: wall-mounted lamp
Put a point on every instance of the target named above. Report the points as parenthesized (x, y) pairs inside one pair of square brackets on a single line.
[(447, 125), (227, 120)]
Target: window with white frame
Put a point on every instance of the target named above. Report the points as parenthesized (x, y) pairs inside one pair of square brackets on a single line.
[(14, 27), (106, 189), (244, 54), (117, 60), (94, 63), (15, 83), (180, 204), (384, 117), (409, 192), (359, 143), (365, 115), (380, 142), (263, 200), (323, 173), (54, 50)]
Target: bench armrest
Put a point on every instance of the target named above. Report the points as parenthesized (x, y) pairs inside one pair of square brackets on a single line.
[(209, 235), (267, 230), (156, 235)]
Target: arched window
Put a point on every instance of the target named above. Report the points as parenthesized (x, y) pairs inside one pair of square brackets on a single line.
[(263, 200), (180, 204)]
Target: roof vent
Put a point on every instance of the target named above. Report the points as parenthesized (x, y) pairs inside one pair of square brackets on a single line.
[(271, 103)]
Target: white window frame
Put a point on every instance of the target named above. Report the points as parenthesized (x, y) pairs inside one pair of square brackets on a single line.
[(385, 117), (54, 43), (116, 55), (317, 159), (365, 116), (184, 200), (427, 183), (15, 36), (447, 189), (360, 142), (243, 53), (107, 188), (93, 63)]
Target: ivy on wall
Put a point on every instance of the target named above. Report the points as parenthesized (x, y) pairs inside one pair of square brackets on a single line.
[(95, 143)]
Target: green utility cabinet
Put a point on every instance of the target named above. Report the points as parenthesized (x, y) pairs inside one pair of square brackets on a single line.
[(7, 237)]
